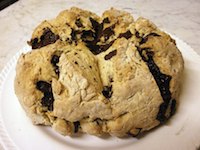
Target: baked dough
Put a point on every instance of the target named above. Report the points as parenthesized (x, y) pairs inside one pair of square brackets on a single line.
[(99, 75)]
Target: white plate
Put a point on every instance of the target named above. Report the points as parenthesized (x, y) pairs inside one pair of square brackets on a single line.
[(182, 132)]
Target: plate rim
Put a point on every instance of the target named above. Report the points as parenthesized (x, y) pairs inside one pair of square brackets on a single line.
[(5, 140)]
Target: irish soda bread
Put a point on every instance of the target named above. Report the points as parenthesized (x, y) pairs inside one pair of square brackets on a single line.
[(99, 75)]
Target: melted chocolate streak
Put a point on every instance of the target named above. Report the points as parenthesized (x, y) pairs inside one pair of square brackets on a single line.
[(87, 35), (162, 80)]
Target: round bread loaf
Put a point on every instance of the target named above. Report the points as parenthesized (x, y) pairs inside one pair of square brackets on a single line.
[(99, 75)]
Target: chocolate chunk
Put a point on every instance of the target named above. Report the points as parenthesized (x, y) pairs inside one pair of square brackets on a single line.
[(48, 99), (162, 81), (107, 91), (106, 20), (48, 37), (54, 61), (76, 126), (173, 107), (95, 49), (76, 62), (108, 32), (110, 55), (34, 43), (161, 113), (96, 26), (78, 23), (126, 35), (43, 86), (94, 23)]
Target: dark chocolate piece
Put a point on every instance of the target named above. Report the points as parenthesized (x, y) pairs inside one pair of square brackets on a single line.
[(162, 80), (126, 35), (48, 37), (95, 49), (173, 107), (106, 20), (161, 113), (76, 126), (34, 43), (48, 99), (78, 23), (107, 91), (98, 27), (110, 55), (43, 86), (54, 61)]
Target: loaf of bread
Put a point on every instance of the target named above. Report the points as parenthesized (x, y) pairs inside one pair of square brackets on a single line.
[(99, 75)]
